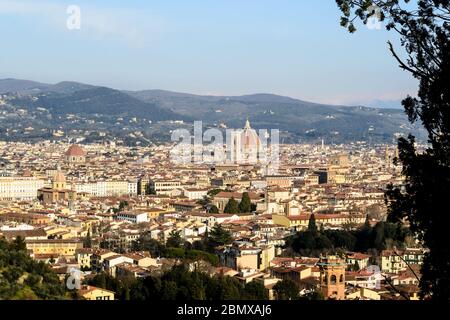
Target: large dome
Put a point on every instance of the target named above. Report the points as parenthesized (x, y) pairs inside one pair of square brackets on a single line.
[(249, 137), (75, 151)]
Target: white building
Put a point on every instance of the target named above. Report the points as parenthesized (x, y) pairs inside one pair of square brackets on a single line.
[(19, 188), (195, 194), (133, 217), (132, 188), (107, 188)]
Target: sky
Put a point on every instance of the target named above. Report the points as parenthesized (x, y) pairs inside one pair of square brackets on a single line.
[(218, 47)]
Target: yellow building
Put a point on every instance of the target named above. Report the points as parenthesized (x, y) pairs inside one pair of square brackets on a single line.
[(53, 246), (338, 166), (244, 257), (94, 293), (83, 257), (301, 221), (155, 212), (28, 218), (392, 262)]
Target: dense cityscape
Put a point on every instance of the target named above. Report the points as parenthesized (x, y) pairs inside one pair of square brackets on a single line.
[(222, 159), (107, 220)]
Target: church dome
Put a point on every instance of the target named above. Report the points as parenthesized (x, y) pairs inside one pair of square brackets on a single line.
[(59, 177), (249, 137), (75, 151)]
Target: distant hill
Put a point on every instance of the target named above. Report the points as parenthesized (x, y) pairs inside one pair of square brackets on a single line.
[(17, 85), (33, 87), (302, 119), (95, 100), (298, 120)]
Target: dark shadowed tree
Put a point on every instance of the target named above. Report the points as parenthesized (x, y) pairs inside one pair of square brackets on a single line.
[(87, 242), (213, 209), (174, 239), (219, 236), (312, 227), (255, 291), (232, 206), (286, 290), (245, 205), (424, 29)]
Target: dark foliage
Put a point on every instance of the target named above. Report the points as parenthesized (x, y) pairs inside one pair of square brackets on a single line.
[(180, 284), (384, 235), (195, 252), (424, 28), (22, 278)]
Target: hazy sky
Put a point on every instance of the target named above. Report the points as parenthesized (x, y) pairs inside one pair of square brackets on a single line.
[(229, 47)]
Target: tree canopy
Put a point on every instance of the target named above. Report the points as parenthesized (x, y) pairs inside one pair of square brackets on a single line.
[(286, 290), (174, 239), (424, 29), (219, 236), (180, 284), (21, 277), (385, 235), (245, 205), (232, 206)]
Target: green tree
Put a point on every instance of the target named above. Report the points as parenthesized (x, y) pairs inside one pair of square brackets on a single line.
[(213, 192), (174, 239), (304, 242), (312, 227), (21, 277), (286, 290), (122, 205), (424, 30), (146, 243), (354, 267), (232, 206), (213, 209), (149, 190), (255, 291), (245, 205), (219, 236), (87, 242), (19, 244)]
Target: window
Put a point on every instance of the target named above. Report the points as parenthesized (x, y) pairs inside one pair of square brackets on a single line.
[(333, 279)]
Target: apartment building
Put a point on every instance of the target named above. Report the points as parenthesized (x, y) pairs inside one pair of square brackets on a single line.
[(19, 188), (163, 187), (57, 247), (132, 216)]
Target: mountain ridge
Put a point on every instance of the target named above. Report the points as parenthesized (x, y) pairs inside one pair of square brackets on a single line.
[(62, 86), (152, 114)]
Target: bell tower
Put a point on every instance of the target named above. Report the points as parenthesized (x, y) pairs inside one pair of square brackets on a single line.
[(332, 277)]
